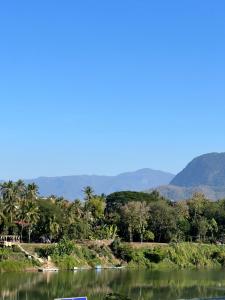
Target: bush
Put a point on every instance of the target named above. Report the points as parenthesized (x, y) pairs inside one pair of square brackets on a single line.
[(16, 249), (91, 257), (64, 247), (121, 251), (4, 254), (219, 256), (149, 236), (45, 251), (66, 262), (125, 253), (154, 255), (115, 246)]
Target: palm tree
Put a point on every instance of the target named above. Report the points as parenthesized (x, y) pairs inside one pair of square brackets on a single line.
[(32, 216), (21, 217), (53, 227), (19, 189), (10, 203), (62, 203), (2, 216), (17, 197), (7, 189), (32, 191), (88, 193)]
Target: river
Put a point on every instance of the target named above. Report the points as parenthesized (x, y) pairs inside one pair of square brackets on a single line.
[(136, 284)]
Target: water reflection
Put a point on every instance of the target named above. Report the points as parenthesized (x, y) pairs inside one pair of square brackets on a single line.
[(140, 285)]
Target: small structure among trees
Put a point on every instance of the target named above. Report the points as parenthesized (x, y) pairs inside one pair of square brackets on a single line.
[(9, 240)]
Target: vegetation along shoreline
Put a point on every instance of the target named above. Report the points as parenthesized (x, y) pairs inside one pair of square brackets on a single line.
[(132, 229)]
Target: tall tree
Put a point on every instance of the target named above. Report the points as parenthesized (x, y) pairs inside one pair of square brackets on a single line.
[(163, 221), (135, 215), (20, 190), (10, 200), (32, 192), (32, 216), (88, 193)]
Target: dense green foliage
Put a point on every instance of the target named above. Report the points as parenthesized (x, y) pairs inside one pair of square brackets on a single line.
[(175, 255), (14, 260), (67, 254), (131, 216)]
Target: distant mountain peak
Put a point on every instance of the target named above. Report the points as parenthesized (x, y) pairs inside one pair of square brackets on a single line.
[(207, 169), (205, 174)]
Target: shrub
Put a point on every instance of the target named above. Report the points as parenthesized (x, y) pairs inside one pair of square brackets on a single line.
[(154, 255), (45, 251), (115, 246), (121, 251), (102, 251), (66, 262), (4, 254), (219, 256), (64, 247), (149, 236)]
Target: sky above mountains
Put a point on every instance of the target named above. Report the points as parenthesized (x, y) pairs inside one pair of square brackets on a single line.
[(109, 86)]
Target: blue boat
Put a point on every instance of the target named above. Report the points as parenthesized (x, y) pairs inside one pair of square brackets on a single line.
[(73, 298), (214, 298)]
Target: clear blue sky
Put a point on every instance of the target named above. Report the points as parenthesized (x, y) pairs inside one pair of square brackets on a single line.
[(110, 86)]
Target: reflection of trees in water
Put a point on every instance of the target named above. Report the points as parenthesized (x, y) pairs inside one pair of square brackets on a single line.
[(169, 285), (11, 284), (141, 285)]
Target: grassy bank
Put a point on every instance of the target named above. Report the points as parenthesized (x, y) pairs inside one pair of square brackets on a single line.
[(155, 256), (13, 260), (67, 255), (175, 256)]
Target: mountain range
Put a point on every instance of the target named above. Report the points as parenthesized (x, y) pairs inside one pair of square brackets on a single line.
[(71, 187), (205, 173)]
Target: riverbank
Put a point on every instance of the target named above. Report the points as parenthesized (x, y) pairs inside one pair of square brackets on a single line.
[(14, 260), (66, 255), (172, 256)]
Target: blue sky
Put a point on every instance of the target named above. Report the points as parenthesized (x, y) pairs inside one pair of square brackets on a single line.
[(102, 87)]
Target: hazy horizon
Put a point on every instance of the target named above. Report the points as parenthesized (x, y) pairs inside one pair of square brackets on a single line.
[(90, 174)]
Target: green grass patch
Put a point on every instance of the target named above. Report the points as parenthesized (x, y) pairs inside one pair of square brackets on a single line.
[(13, 260)]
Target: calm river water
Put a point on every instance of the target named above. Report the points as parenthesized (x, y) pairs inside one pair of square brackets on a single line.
[(142, 284)]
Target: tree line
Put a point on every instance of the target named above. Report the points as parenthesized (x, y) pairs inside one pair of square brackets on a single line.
[(130, 216)]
